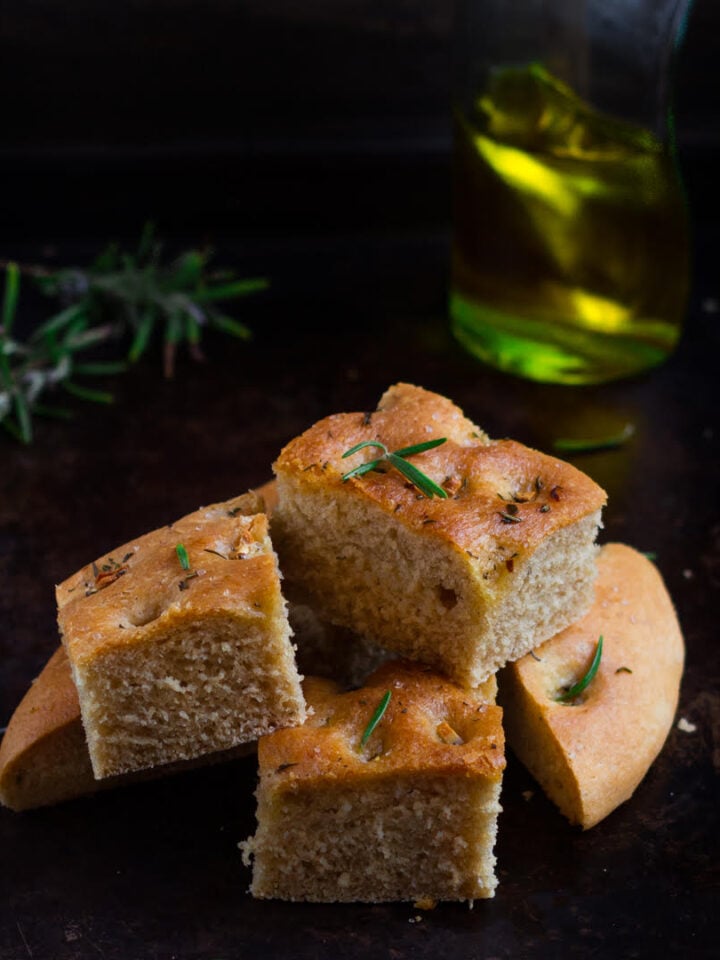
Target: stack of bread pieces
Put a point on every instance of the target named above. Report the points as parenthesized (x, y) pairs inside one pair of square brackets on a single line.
[(413, 593)]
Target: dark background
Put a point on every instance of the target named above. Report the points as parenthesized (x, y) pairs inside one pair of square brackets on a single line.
[(311, 143), (254, 115)]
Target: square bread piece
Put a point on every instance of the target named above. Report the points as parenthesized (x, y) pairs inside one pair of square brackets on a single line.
[(465, 583), (409, 814), (173, 663)]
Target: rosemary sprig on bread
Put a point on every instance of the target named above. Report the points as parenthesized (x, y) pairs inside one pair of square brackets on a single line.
[(577, 688), (376, 718), (397, 459)]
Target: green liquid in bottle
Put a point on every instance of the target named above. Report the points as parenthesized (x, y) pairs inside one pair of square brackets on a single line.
[(570, 257)]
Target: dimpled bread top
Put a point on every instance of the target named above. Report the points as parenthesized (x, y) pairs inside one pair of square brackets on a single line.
[(503, 498), (142, 584), (429, 726)]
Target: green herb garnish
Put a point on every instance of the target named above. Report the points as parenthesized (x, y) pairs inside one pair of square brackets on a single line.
[(651, 555), (376, 718), (578, 688), (623, 670), (589, 445), (182, 555), (398, 460), (130, 296)]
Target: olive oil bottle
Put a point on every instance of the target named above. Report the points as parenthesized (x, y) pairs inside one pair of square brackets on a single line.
[(570, 253)]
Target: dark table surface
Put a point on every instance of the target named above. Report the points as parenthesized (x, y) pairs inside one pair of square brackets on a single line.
[(153, 870)]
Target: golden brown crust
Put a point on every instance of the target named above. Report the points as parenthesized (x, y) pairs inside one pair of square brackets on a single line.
[(116, 601), (504, 498), (43, 754), (590, 756), (50, 703), (429, 725), (167, 632), (45, 734)]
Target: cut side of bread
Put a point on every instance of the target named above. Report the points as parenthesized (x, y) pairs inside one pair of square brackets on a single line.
[(406, 812), (464, 583), (44, 757), (179, 642), (591, 753)]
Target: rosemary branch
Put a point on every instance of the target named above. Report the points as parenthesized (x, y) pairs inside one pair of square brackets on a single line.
[(422, 481), (121, 296)]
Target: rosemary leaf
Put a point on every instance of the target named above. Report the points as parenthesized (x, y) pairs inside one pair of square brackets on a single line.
[(22, 412), (192, 329), (228, 291), (365, 443), (143, 333), (420, 447), (359, 471), (60, 320), (100, 368), (233, 327), (188, 268), (590, 445), (376, 718), (421, 480), (85, 393), (578, 688), (182, 556)]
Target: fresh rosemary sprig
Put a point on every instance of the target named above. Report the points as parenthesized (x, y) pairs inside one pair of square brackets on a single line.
[(121, 296), (578, 688), (592, 444), (398, 460), (376, 718)]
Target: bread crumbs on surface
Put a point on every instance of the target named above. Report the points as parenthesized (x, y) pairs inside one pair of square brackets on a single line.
[(425, 903), (686, 726)]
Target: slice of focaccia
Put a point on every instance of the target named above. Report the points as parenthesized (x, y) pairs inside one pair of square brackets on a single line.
[(402, 810), (44, 757), (179, 642), (464, 583), (590, 753)]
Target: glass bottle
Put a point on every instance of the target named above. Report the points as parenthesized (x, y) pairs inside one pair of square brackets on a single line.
[(570, 236)]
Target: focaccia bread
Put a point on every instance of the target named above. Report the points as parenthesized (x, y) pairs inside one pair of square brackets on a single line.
[(44, 757), (591, 753), (175, 658), (464, 583), (407, 812)]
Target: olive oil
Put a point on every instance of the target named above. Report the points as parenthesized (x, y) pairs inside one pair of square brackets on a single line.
[(570, 257)]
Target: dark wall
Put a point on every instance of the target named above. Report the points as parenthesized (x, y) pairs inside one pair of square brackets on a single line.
[(246, 114)]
